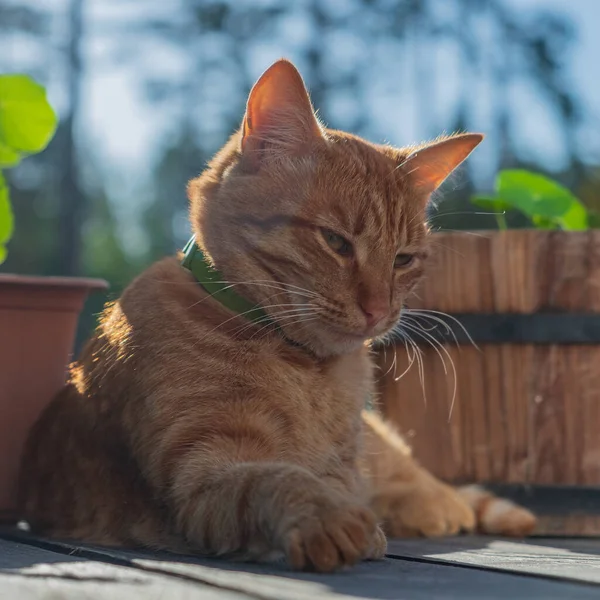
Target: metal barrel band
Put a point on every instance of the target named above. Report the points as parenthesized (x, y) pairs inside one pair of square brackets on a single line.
[(505, 328)]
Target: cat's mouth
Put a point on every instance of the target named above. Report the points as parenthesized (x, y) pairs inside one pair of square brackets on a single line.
[(359, 336)]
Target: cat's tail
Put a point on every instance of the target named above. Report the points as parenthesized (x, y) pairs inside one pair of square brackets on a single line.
[(497, 516)]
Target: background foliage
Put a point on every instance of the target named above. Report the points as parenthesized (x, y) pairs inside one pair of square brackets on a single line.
[(148, 90), (27, 123)]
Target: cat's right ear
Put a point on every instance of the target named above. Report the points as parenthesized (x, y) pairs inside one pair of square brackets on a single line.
[(279, 116)]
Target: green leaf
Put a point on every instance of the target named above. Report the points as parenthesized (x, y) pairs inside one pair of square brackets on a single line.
[(539, 196), (576, 218), (490, 203), (8, 156), (27, 121), (6, 218), (593, 219), (544, 222)]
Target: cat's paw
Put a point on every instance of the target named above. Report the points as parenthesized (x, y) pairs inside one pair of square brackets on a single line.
[(426, 507), (378, 546), (332, 537)]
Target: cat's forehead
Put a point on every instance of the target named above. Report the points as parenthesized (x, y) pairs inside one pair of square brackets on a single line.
[(364, 189)]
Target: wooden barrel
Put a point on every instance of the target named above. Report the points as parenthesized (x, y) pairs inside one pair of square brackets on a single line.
[(524, 406)]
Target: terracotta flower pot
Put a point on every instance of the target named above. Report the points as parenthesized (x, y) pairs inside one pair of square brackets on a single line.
[(38, 320)]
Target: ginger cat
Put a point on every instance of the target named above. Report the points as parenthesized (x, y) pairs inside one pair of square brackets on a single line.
[(190, 426)]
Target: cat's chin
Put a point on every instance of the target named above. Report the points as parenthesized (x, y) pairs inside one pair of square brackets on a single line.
[(337, 347), (325, 339), (325, 342)]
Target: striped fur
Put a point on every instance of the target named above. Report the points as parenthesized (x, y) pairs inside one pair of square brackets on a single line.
[(187, 427)]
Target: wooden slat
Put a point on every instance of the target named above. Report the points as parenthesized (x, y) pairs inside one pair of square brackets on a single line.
[(412, 577), (566, 559), (390, 578), (523, 413), (31, 573)]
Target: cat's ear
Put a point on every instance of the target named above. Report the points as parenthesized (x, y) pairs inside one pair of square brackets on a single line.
[(279, 116), (429, 166)]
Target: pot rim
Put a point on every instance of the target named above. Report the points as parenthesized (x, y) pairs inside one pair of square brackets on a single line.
[(53, 282)]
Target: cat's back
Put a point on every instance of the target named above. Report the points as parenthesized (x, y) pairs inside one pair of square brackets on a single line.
[(200, 360), (167, 357)]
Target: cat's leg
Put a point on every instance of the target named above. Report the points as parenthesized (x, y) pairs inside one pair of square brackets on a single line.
[(412, 502), (230, 494), (497, 516), (404, 496), (78, 482), (226, 505)]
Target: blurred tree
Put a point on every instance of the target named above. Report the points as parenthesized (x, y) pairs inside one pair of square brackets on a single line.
[(195, 61), (72, 199), (19, 24), (350, 53), (165, 219)]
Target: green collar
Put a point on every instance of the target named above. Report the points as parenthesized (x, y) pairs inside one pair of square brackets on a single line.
[(212, 281)]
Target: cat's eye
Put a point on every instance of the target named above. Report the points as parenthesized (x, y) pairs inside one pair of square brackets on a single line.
[(403, 260), (337, 243)]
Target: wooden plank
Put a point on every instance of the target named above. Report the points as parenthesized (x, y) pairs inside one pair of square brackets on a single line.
[(387, 579), (523, 413), (564, 559), (31, 573), (14, 555), (569, 525)]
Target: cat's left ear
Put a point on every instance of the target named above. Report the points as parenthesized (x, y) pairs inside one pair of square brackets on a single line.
[(429, 166), (279, 115)]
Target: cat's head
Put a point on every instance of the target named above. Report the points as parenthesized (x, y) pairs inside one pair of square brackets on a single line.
[(325, 230)]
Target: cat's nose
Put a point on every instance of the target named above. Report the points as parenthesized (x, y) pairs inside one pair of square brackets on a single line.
[(375, 310)]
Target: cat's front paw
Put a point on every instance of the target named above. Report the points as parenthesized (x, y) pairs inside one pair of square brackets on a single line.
[(332, 537), (378, 546), (426, 507)]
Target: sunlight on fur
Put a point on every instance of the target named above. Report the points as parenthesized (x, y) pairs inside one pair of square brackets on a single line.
[(189, 426)]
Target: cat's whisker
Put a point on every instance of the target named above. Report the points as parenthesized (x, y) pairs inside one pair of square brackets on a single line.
[(254, 309), (286, 319), (435, 242), (288, 287), (303, 319), (462, 231), (416, 355), (420, 365), (432, 314), (465, 212), (437, 346), (306, 293), (417, 313), (280, 317), (429, 339), (394, 363), (385, 361), (411, 361)]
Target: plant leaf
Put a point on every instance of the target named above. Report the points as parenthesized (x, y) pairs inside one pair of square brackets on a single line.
[(539, 196), (6, 218), (576, 218), (593, 219), (491, 203), (8, 156), (27, 121), (544, 222)]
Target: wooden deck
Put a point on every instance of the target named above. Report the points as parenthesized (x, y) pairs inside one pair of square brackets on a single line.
[(463, 568)]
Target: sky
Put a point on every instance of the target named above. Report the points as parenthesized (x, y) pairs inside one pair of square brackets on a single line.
[(584, 58), (125, 127), (126, 131)]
